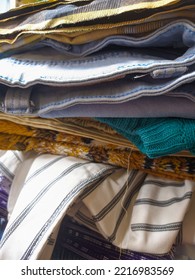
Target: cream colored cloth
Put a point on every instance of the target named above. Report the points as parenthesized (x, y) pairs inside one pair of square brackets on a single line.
[(188, 229), (133, 210), (9, 162), (51, 186), (147, 217), (19, 178)]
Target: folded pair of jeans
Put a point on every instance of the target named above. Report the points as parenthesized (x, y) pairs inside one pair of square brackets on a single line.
[(68, 37)]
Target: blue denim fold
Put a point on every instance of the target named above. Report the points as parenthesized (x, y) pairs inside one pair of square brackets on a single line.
[(48, 66), (177, 34), (47, 101), (143, 107), (48, 83)]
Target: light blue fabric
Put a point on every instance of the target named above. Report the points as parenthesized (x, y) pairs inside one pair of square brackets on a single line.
[(143, 107), (40, 100), (48, 66), (176, 34), (46, 82)]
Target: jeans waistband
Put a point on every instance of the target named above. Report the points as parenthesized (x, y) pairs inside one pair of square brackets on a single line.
[(40, 100), (143, 107), (51, 68)]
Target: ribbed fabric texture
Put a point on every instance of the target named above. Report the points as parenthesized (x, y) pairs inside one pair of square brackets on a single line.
[(156, 137)]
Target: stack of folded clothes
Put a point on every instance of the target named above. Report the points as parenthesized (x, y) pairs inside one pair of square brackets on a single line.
[(97, 126)]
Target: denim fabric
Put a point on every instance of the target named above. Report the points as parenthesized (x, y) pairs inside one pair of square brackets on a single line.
[(49, 67), (179, 33), (81, 35), (41, 99), (143, 107), (149, 71)]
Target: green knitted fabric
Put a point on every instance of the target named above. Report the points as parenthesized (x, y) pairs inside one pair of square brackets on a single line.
[(156, 137)]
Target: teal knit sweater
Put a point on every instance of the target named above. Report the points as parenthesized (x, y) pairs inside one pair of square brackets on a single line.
[(156, 137)]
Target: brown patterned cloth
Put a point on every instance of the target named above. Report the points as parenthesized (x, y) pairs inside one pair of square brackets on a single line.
[(15, 136)]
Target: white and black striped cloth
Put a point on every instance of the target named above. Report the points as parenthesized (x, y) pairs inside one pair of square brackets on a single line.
[(131, 209)]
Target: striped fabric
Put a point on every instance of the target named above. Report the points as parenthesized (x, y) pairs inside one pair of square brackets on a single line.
[(71, 14), (9, 162), (143, 209), (23, 2), (188, 231), (128, 208), (81, 35), (53, 181), (76, 14)]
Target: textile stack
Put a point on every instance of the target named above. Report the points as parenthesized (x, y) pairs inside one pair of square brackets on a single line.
[(97, 130)]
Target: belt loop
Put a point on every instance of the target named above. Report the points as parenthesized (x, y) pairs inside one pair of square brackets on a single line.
[(17, 100), (169, 72)]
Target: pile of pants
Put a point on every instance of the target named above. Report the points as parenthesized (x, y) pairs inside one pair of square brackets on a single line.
[(103, 90)]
